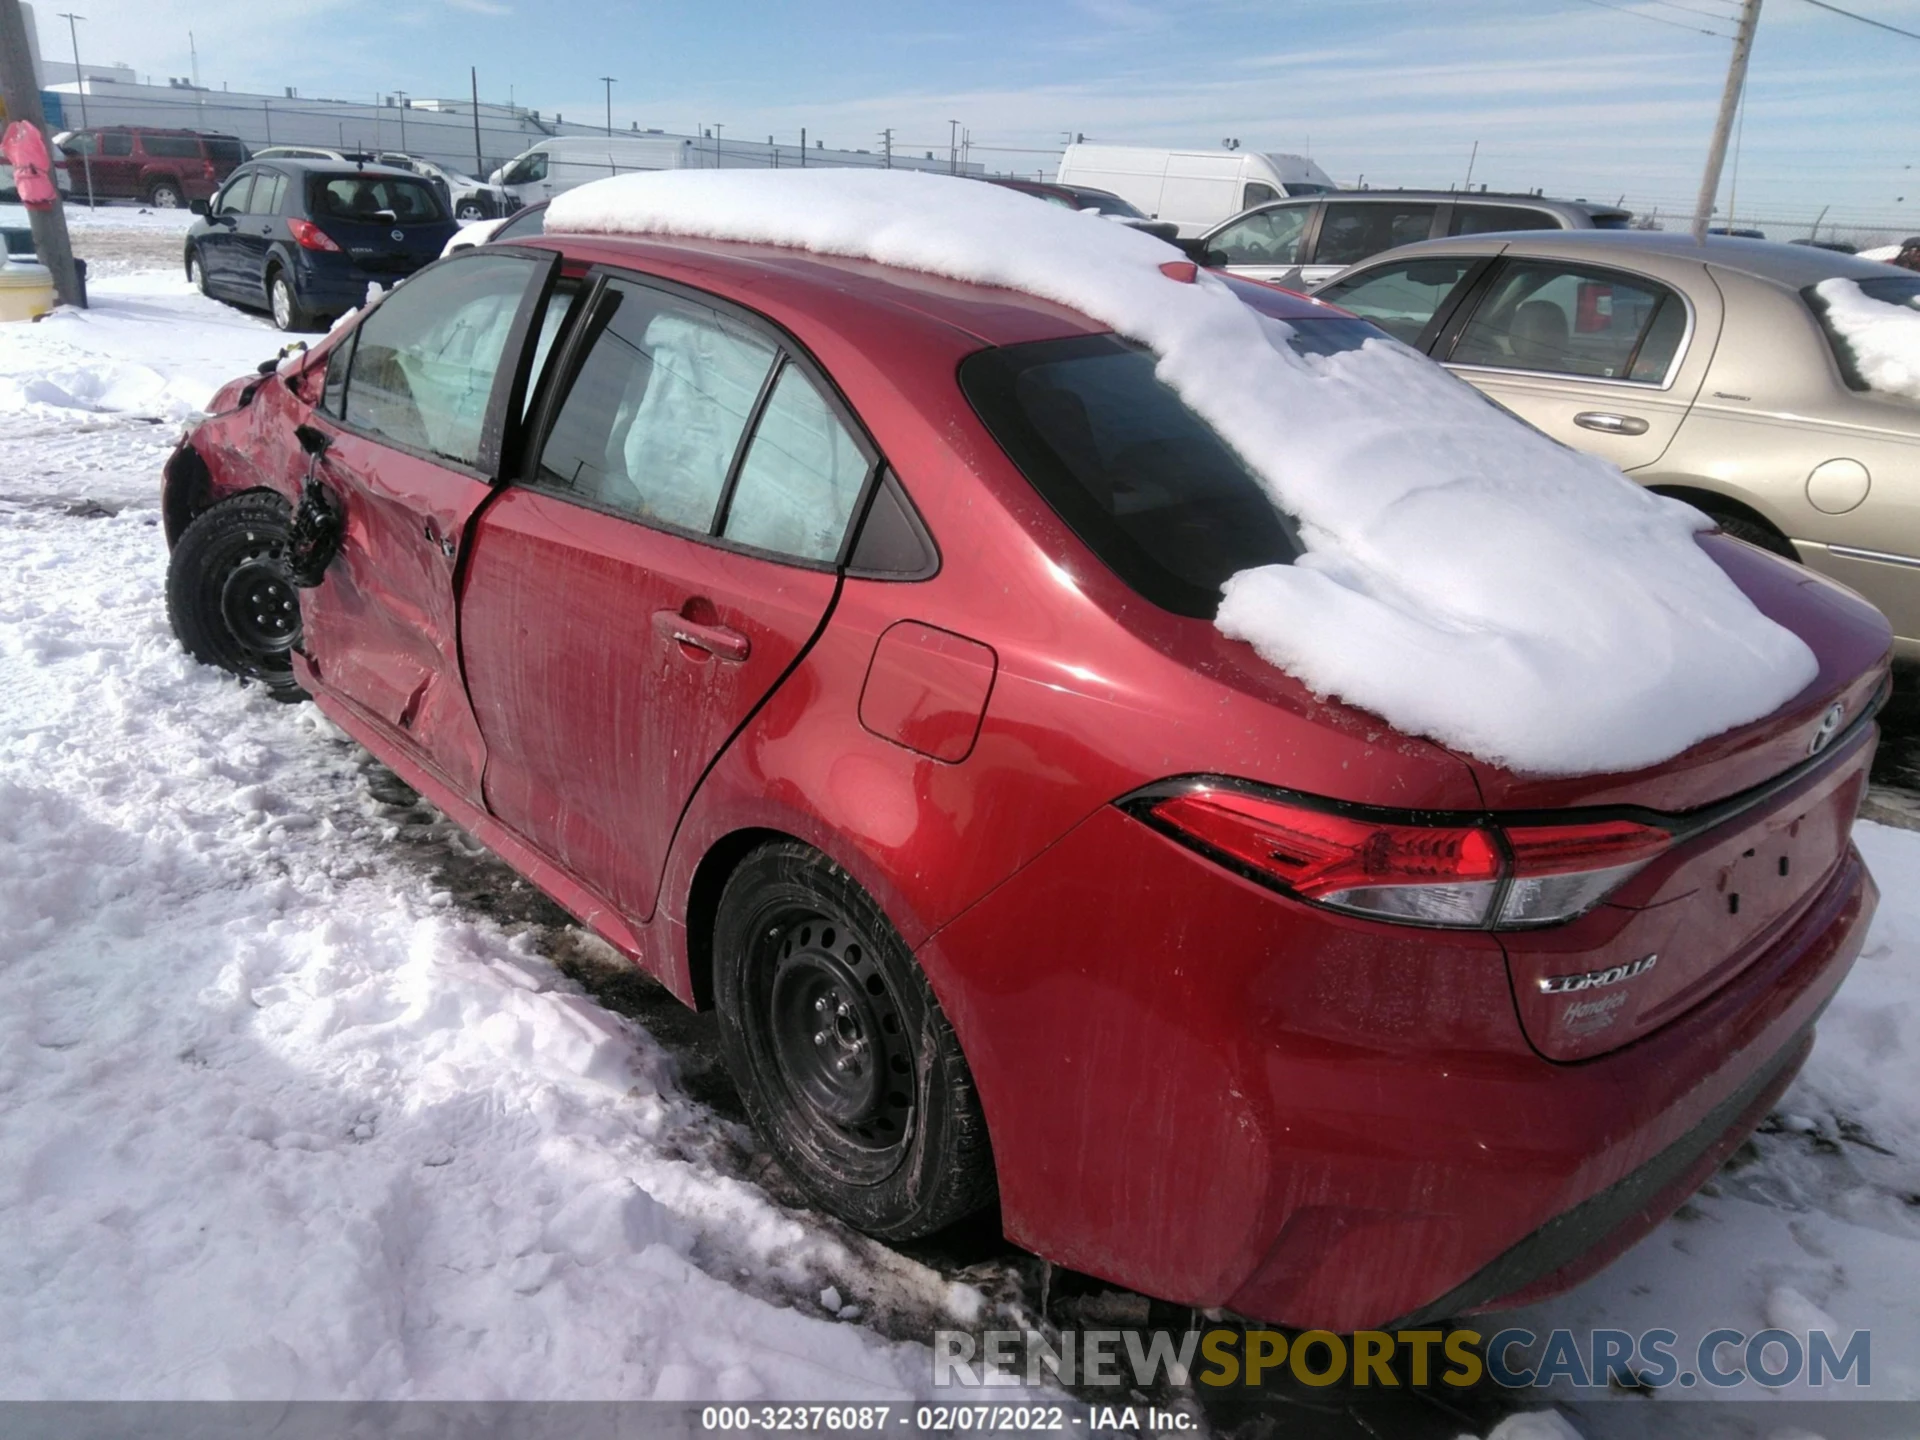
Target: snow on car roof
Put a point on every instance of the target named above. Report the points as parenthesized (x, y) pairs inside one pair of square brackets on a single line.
[(1465, 577)]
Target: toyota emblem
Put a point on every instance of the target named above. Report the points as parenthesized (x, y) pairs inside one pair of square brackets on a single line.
[(1828, 728)]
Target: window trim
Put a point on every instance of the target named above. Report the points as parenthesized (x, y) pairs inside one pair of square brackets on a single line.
[(571, 351), (497, 411), (1489, 279)]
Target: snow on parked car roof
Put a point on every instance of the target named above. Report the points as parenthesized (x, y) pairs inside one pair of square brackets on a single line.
[(1465, 577)]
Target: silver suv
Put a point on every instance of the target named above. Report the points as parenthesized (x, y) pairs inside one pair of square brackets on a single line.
[(1302, 242)]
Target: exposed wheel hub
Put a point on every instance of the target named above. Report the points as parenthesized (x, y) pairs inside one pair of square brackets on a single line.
[(260, 605), (837, 1035)]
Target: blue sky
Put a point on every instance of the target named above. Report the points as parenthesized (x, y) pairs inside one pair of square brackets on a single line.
[(1567, 95)]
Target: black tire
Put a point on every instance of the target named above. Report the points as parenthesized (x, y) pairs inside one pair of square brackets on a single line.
[(1755, 532), (228, 596), (283, 303), (843, 1059), (197, 271), (165, 195)]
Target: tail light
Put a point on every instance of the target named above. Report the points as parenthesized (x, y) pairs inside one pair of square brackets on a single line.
[(310, 236), (1471, 872)]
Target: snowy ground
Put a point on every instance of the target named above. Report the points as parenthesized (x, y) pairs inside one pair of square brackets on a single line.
[(289, 1109)]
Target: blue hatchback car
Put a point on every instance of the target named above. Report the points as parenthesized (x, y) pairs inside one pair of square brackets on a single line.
[(303, 239)]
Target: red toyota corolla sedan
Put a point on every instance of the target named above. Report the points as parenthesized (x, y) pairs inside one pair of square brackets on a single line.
[(836, 641)]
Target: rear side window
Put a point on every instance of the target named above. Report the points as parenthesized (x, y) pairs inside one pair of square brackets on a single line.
[(1491, 219), (1572, 320), (1139, 477), (651, 424), (1355, 229), (375, 200), (171, 147), (425, 359), (801, 478), (269, 189)]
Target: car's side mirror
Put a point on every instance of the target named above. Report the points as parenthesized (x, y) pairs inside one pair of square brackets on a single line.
[(199, 207)]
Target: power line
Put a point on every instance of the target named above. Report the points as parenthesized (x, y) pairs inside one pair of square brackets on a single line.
[(1660, 20), (1689, 10), (1864, 19)]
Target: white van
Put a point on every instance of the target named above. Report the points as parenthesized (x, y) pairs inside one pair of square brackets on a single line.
[(1195, 189), (565, 161)]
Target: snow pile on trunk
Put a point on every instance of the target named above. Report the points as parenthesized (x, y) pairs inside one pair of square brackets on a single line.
[(1466, 578), (1884, 337)]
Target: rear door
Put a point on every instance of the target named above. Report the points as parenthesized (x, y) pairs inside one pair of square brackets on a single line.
[(116, 173), (423, 396), (1353, 230), (1598, 358), (673, 549)]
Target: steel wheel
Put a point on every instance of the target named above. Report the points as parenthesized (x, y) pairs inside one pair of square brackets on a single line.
[(229, 597)]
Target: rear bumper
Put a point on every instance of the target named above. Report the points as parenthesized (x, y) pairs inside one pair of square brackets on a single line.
[(1206, 1092)]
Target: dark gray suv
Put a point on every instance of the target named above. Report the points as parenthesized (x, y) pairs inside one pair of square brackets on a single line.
[(1303, 241)]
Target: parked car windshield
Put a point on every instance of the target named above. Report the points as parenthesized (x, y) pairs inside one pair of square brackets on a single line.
[(1889, 290), (364, 197), (1139, 477)]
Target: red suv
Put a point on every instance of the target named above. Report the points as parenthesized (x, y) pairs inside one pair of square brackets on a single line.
[(774, 613), (165, 168)]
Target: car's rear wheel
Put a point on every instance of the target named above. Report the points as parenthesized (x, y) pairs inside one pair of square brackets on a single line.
[(229, 597), (843, 1058), (288, 312), (164, 195)]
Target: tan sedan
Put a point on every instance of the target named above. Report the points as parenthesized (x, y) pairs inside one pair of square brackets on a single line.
[(1711, 372)]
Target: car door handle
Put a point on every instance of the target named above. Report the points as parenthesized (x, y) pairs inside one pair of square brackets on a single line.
[(1610, 424), (716, 640)]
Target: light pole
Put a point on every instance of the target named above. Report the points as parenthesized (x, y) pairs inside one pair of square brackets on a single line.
[(402, 97), (953, 147), (80, 84), (607, 80)]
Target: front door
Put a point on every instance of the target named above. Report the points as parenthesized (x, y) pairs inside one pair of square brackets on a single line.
[(218, 246), (671, 553), (430, 378), (1269, 245), (259, 226)]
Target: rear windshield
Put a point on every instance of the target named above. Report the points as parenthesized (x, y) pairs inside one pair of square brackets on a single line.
[(1901, 290), (375, 199), (1139, 477), (1612, 219)]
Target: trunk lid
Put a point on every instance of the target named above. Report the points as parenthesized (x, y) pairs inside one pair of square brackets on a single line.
[(1763, 814), (386, 224)]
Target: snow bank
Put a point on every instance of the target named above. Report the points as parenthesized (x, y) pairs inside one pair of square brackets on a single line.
[(1465, 577), (1885, 338)]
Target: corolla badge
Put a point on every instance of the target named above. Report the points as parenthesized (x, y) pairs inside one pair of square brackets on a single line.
[(1597, 979), (1828, 728), (398, 236)]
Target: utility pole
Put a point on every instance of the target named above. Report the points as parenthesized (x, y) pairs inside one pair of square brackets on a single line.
[(194, 51), (80, 84), (1470, 159), (719, 146), (479, 165), (1723, 126), (803, 147), (607, 80), (953, 147), (402, 97), (20, 89), (886, 146)]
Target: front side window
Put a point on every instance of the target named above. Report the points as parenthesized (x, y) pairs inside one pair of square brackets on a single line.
[(1273, 237), (526, 169), (1492, 219), (653, 420), (1573, 320), (801, 478), (81, 142), (1401, 299), (1355, 229), (376, 200), (269, 188), (233, 199), (425, 360), (1257, 194), (116, 144), (1140, 478)]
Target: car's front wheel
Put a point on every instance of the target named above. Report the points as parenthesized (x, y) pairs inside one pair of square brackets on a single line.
[(843, 1058), (229, 597), (470, 210), (197, 272)]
